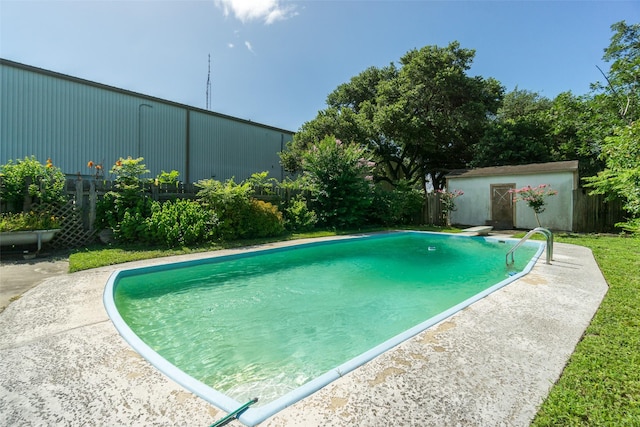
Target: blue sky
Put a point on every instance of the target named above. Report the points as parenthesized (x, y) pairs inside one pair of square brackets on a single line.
[(275, 62)]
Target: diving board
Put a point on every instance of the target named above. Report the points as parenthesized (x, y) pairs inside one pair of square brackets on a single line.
[(481, 230)]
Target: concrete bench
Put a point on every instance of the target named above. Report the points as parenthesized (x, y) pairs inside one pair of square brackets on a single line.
[(481, 230)]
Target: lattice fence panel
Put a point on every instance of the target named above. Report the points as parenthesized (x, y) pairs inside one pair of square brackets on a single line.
[(72, 233)]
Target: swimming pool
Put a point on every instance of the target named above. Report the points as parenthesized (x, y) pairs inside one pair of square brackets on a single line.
[(390, 280)]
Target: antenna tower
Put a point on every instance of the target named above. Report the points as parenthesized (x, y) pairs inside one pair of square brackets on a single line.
[(209, 85)]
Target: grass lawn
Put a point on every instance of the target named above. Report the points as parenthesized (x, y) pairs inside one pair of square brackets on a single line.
[(98, 255), (600, 386)]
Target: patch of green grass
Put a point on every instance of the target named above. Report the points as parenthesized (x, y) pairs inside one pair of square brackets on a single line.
[(99, 256), (600, 386)]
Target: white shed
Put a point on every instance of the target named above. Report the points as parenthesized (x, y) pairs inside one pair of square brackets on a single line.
[(487, 200)]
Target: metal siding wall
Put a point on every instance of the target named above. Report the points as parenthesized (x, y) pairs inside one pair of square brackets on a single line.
[(69, 122), (163, 137), (72, 122), (223, 149)]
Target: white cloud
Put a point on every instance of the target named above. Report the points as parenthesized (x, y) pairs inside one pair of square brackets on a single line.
[(268, 11), (248, 45), (230, 45)]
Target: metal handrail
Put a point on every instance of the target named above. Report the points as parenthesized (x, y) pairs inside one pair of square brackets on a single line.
[(545, 232)]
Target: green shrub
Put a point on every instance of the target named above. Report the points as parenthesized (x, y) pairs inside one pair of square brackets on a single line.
[(46, 182), (125, 209), (298, 216), (181, 223), (122, 213), (621, 177), (221, 195), (168, 178), (28, 221), (239, 215), (260, 219), (131, 224), (229, 201), (631, 226), (128, 172), (400, 206), (261, 183), (340, 182)]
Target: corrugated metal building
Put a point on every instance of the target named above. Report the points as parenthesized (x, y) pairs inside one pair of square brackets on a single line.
[(73, 121)]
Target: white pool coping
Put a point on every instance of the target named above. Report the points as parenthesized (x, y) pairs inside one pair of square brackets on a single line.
[(255, 415), (62, 361)]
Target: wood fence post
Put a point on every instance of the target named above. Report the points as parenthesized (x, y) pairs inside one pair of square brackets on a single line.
[(79, 193), (426, 210), (28, 200), (93, 200)]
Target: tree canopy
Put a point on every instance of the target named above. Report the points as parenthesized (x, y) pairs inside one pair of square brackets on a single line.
[(623, 81), (519, 134), (419, 120), (620, 104), (425, 115)]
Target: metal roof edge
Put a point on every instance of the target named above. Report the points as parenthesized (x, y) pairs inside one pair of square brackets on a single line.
[(103, 86)]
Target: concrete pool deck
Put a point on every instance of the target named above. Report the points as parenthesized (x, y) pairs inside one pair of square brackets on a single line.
[(62, 362)]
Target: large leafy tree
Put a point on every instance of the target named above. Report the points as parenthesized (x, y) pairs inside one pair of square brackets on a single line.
[(621, 100), (529, 128), (434, 112), (577, 130), (522, 103), (520, 133), (347, 116), (419, 120), (582, 125), (621, 177), (621, 93)]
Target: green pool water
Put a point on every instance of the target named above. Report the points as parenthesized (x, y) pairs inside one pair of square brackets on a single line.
[(265, 324)]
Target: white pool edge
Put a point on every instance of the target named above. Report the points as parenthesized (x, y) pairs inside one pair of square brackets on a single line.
[(254, 416)]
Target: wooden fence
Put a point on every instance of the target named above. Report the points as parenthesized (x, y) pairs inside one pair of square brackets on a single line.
[(590, 213), (78, 215), (86, 194), (432, 213), (594, 214)]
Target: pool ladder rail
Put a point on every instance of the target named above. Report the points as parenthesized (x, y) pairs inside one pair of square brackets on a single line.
[(539, 230)]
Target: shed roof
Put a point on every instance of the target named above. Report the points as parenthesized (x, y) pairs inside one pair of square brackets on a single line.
[(534, 168)]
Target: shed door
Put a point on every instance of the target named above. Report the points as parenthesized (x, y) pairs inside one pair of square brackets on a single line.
[(502, 205)]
